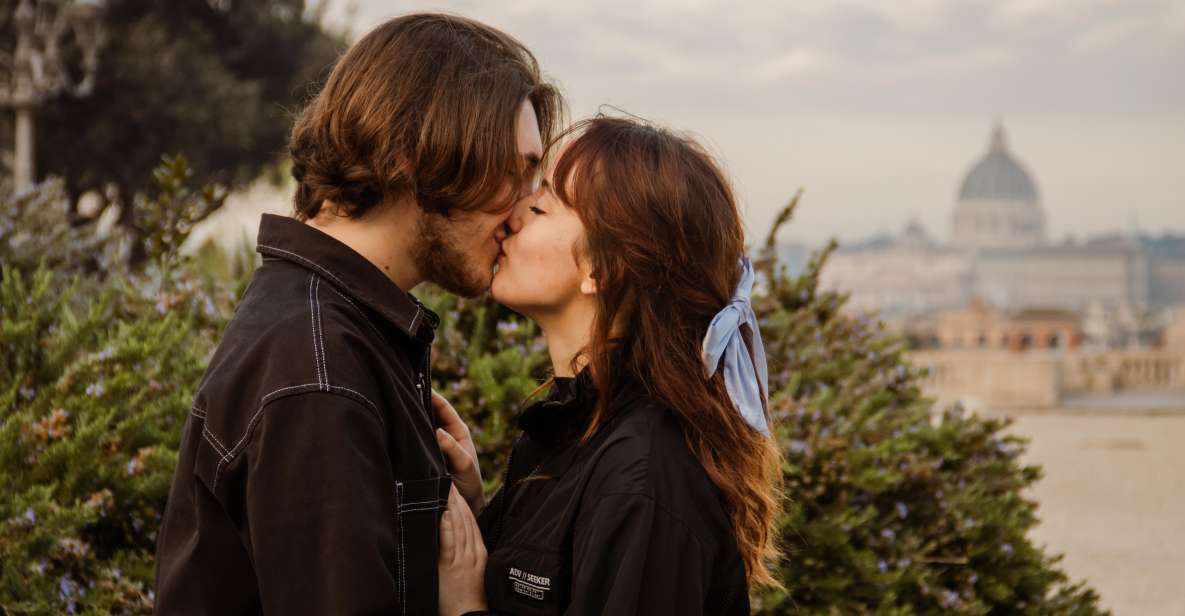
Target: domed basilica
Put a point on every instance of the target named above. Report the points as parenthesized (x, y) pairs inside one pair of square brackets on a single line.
[(998, 255), (998, 204)]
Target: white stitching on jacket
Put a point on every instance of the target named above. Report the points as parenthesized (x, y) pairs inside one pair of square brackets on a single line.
[(313, 320), (414, 319), (229, 455), (321, 335), (402, 564), (349, 301)]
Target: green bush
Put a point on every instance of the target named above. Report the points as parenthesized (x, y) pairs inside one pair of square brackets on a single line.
[(890, 509), (97, 373)]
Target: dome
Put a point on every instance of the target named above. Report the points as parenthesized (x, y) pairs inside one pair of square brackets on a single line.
[(998, 176), (998, 205)]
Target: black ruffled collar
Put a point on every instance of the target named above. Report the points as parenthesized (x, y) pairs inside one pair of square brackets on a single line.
[(564, 414)]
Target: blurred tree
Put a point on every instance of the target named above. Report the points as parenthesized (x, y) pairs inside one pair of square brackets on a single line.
[(216, 79)]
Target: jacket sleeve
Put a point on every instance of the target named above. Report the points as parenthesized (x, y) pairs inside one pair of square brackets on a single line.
[(320, 507), (632, 557)]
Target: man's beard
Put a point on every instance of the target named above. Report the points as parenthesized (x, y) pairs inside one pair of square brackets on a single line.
[(442, 261)]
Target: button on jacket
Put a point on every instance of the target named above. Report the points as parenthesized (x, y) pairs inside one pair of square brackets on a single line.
[(308, 478), (626, 523)]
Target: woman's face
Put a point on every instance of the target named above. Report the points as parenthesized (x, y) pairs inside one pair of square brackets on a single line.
[(540, 272)]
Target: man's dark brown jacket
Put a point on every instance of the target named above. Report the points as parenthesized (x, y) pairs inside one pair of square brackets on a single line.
[(309, 480)]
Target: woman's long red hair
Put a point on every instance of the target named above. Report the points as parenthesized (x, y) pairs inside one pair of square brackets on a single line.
[(663, 237)]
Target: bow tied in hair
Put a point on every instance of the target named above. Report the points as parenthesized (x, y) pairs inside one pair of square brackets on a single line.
[(745, 376)]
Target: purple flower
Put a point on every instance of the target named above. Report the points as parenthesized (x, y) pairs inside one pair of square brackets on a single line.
[(96, 389), (889, 534), (1007, 548), (30, 516), (902, 510), (882, 566), (65, 587), (949, 598)]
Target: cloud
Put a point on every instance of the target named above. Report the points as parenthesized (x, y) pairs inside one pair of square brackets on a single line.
[(856, 55)]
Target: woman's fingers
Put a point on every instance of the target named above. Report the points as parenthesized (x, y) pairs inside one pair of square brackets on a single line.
[(459, 461), (449, 419), (460, 577), (476, 547), (457, 508), (463, 467), (448, 541), (472, 537)]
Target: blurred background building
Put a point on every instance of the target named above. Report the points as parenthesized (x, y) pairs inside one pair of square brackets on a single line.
[(1004, 318), (998, 254)]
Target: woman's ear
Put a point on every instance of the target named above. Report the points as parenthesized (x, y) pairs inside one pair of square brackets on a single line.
[(588, 284)]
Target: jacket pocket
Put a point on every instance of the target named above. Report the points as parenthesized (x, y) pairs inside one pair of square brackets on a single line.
[(527, 580), (419, 504)]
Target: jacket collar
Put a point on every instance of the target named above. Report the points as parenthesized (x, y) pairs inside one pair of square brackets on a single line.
[(565, 413), (303, 245)]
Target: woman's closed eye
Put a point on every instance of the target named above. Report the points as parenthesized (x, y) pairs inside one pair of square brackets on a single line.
[(537, 211)]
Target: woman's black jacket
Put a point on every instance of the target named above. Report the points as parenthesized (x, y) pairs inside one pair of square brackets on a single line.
[(625, 523)]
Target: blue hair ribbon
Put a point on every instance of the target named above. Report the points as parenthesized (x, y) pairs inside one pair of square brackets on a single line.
[(747, 378)]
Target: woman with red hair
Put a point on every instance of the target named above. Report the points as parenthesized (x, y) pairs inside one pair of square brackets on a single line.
[(646, 482)]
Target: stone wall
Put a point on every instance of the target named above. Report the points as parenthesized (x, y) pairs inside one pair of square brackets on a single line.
[(1011, 379)]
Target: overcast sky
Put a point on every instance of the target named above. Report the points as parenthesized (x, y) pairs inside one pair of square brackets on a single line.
[(878, 108)]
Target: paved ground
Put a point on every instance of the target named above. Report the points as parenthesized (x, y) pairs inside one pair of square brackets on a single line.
[(1113, 501)]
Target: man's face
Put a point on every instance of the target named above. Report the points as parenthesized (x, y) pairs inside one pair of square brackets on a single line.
[(458, 253)]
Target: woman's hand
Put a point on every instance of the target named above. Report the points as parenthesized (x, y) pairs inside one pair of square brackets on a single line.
[(457, 445), (462, 565)]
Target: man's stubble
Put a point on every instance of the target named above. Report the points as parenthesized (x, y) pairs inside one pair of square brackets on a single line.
[(441, 259)]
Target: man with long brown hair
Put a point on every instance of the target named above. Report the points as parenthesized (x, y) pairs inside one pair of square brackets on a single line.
[(309, 477)]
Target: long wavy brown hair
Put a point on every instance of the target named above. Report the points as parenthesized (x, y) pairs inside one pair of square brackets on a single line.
[(664, 237)]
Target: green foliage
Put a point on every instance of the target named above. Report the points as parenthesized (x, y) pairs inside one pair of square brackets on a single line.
[(890, 508), (96, 377)]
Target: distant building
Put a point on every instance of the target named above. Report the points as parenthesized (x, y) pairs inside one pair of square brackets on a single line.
[(999, 253), (980, 326), (1174, 334), (998, 206)]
